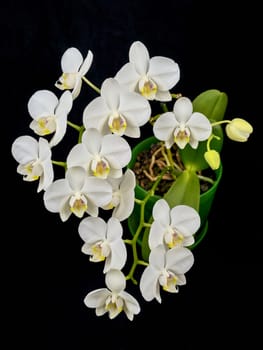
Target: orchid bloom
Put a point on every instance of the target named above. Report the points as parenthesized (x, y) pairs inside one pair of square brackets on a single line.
[(182, 126), (173, 227), (34, 158), (166, 268), (101, 156), (151, 77), (77, 193), (74, 67), (117, 111), (103, 242), (49, 114), (113, 299), (239, 130), (123, 195)]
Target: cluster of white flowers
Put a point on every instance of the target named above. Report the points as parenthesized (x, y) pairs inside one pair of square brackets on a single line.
[(97, 177)]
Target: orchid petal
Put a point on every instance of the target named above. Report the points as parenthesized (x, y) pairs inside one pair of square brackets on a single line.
[(56, 194), (98, 190), (76, 177), (149, 285), (156, 234), (135, 107), (97, 298), (164, 71), (185, 219), (115, 280), (117, 257), (183, 109), (92, 229), (86, 64), (179, 260), (117, 151), (161, 212), (79, 156), (71, 60), (25, 149), (164, 126), (96, 114), (128, 77), (110, 92), (200, 126), (42, 103), (139, 57)]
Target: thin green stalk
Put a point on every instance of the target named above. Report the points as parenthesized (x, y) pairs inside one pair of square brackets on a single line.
[(63, 164), (141, 225), (74, 126), (94, 87), (220, 122)]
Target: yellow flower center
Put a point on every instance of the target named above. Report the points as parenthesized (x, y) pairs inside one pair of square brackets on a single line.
[(67, 81), (100, 168), (114, 305), (45, 125), (173, 238), (181, 136), (117, 124), (168, 281), (78, 204), (148, 88), (31, 171), (100, 251)]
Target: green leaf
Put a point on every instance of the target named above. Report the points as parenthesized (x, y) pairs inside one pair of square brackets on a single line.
[(193, 159), (185, 190), (212, 103)]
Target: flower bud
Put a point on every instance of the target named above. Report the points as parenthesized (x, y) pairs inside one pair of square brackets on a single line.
[(238, 130), (213, 159)]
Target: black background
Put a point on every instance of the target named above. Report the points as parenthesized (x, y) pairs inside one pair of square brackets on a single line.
[(217, 45)]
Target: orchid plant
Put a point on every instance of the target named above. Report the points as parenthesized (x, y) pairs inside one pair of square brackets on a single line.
[(98, 181)]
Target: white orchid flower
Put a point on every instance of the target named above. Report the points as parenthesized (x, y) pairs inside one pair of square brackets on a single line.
[(103, 242), (117, 111), (102, 156), (182, 126), (151, 77), (173, 227), (113, 299), (74, 67), (77, 193), (34, 158), (167, 269), (123, 194), (49, 114)]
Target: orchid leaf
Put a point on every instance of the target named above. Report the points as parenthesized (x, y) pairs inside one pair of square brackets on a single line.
[(185, 190), (212, 103)]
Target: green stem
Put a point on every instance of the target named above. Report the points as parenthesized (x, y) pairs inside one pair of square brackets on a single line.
[(220, 122), (94, 87), (176, 96), (74, 126), (63, 164), (210, 139), (164, 107), (142, 224), (82, 129), (153, 119)]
